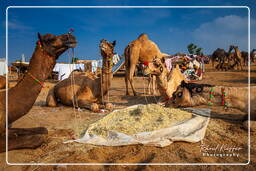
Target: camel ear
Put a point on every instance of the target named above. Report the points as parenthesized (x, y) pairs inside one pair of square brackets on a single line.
[(114, 43), (163, 60), (39, 37)]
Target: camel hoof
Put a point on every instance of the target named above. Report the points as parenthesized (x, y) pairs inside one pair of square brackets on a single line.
[(109, 106), (95, 107)]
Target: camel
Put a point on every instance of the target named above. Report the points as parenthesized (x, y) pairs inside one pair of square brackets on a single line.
[(191, 94), (245, 56), (218, 55), (23, 95), (85, 89), (2, 82), (140, 50), (237, 56), (167, 82), (253, 55)]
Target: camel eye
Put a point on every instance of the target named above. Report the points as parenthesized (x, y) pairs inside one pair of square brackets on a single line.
[(180, 94), (161, 69)]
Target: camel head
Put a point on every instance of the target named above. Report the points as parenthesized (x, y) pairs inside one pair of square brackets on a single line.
[(107, 48), (231, 47), (156, 67), (56, 45), (190, 94)]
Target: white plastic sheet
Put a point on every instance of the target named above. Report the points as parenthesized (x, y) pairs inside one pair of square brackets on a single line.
[(190, 130)]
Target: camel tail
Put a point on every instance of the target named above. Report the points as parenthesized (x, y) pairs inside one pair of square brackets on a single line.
[(126, 55), (51, 99)]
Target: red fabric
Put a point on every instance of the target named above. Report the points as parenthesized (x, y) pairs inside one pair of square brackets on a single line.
[(145, 63)]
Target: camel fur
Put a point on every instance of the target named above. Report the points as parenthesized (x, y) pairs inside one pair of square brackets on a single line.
[(85, 90), (167, 81), (23, 95), (236, 97), (2, 82), (140, 50)]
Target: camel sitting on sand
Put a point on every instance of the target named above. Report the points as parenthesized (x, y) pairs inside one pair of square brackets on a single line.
[(167, 81), (85, 89), (23, 95), (191, 94), (140, 50)]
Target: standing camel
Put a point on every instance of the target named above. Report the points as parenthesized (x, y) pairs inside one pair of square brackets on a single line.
[(218, 55), (237, 56), (22, 96), (85, 89), (253, 55), (140, 50)]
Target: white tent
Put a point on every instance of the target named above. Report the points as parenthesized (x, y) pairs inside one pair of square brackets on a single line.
[(2, 66)]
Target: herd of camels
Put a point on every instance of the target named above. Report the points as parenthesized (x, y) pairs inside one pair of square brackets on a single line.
[(230, 60), (83, 89)]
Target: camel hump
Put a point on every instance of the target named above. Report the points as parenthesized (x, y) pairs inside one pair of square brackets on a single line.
[(143, 37)]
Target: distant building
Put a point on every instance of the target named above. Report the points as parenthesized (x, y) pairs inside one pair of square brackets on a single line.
[(2, 66)]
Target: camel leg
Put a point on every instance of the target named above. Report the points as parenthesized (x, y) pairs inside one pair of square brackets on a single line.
[(126, 81), (20, 138), (241, 65), (130, 78), (88, 105), (51, 99), (154, 84), (149, 84)]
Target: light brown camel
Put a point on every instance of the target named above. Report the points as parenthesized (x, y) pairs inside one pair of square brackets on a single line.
[(140, 50), (24, 94), (84, 89), (237, 56), (167, 81), (191, 94), (2, 82)]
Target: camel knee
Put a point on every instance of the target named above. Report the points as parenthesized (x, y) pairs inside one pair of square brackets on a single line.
[(50, 99), (94, 107), (109, 106)]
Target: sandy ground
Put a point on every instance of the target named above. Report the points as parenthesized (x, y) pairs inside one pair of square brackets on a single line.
[(224, 129)]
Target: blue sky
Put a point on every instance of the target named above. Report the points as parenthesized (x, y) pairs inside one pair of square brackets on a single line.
[(171, 28)]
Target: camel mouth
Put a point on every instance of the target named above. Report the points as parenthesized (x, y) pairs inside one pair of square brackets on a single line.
[(71, 44)]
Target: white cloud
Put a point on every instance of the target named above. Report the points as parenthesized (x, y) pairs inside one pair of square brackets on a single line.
[(224, 31), (17, 26)]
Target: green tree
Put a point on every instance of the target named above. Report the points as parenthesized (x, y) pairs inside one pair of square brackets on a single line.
[(199, 51), (74, 59), (194, 50), (191, 48)]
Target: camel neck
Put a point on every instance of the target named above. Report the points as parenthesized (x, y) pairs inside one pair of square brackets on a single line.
[(107, 74), (163, 84), (22, 97)]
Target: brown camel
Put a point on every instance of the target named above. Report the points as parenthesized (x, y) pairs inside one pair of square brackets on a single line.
[(246, 57), (2, 82), (22, 96), (191, 94), (85, 89), (253, 55), (237, 56), (167, 81), (140, 50)]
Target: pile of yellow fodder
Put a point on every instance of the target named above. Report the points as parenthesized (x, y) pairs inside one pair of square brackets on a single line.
[(143, 118)]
